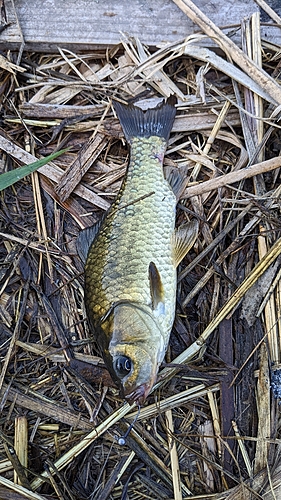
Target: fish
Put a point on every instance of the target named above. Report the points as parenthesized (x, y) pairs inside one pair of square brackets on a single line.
[(131, 257)]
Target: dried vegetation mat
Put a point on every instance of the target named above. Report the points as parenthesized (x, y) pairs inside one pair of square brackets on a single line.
[(211, 427)]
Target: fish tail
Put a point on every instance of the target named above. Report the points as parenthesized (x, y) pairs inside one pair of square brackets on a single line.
[(153, 122)]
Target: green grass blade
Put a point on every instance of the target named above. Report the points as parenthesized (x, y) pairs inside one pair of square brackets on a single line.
[(9, 178)]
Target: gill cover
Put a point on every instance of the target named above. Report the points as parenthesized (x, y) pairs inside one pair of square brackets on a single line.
[(134, 350)]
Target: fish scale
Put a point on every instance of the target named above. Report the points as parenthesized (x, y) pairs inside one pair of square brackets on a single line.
[(132, 256), (134, 236)]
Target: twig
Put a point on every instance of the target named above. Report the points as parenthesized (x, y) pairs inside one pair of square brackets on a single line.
[(269, 11), (224, 180), (174, 456)]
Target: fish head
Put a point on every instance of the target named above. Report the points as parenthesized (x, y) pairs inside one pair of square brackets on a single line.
[(135, 351), (136, 371)]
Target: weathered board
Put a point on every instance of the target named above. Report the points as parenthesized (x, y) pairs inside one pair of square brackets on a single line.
[(91, 24)]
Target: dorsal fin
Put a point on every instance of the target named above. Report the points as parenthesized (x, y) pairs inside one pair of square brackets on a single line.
[(176, 179), (184, 238), (84, 240)]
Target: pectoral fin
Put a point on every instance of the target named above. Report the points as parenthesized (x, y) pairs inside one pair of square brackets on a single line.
[(184, 238), (85, 239), (156, 288)]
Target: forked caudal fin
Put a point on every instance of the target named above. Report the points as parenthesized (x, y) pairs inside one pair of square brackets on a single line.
[(152, 122)]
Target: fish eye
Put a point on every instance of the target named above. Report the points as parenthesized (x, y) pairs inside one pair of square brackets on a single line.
[(122, 366)]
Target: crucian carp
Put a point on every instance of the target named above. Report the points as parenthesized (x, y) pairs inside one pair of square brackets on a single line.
[(132, 257)]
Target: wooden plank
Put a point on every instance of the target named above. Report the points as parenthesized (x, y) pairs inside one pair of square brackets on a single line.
[(92, 24), (10, 35)]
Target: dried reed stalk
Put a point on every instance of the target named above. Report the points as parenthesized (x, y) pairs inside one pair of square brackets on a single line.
[(260, 268), (17, 489), (232, 177), (173, 456), (230, 48), (21, 444), (38, 317), (51, 171)]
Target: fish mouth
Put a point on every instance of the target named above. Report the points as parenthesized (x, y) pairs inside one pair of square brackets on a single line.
[(139, 395)]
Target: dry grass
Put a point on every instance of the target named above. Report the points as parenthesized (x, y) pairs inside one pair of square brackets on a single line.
[(211, 427)]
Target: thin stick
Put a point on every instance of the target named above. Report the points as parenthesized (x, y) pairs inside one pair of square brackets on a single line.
[(264, 412), (263, 242), (20, 489), (224, 180), (269, 11), (174, 456), (243, 450), (212, 136), (51, 171), (84, 443)]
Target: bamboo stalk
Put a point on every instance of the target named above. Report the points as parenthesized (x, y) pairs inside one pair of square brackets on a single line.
[(125, 466), (208, 446), (166, 404), (216, 420), (5, 465), (55, 354), (49, 427)]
